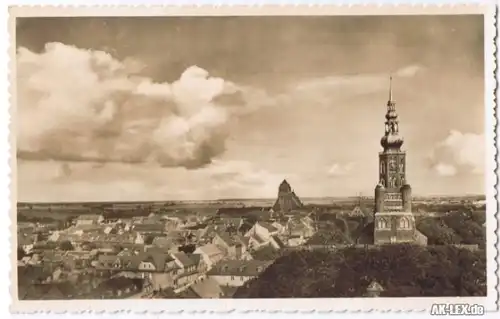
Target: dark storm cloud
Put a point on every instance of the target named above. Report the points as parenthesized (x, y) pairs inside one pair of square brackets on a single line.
[(253, 49)]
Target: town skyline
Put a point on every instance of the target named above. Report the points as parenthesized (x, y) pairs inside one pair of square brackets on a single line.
[(144, 135)]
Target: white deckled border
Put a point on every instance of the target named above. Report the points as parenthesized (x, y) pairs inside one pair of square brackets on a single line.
[(316, 305)]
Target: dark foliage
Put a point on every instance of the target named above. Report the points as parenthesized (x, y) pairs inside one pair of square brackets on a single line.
[(148, 239), (188, 249), (331, 233), (455, 228), (437, 232), (66, 245), (402, 270), (87, 245), (20, 253), (267, 253)]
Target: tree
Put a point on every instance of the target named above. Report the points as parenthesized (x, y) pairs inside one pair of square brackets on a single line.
[(20, 253), (403, 271), (188, 249), (66, 245)]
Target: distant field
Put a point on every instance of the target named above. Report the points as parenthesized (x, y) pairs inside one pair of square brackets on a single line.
[(64, 211), (231, 202)]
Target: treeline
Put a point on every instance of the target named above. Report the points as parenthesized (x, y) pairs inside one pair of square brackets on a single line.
[(402, 270), (455, 228)]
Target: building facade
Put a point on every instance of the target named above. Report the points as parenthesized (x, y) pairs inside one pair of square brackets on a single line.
[(394, 220)]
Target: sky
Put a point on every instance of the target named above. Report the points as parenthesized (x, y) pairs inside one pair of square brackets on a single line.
[(192, 108)]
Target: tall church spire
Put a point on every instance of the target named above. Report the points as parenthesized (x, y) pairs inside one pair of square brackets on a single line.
[(390, 89), (391, 138), (391, 104)]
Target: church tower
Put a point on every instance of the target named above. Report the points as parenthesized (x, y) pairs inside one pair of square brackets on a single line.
[(394, 221), (287, 200)]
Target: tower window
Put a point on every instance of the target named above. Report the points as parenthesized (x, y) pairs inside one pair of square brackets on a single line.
[(404, 223), (382, 224), (392, 182)]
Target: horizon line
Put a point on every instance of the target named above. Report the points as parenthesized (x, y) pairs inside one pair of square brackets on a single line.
[(233, 199)]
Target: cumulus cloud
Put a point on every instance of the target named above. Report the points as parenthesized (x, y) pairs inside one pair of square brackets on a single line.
[(338, 169), (408, 71), (84, 105), (46, 181), (459, 153), (237, 177), (445, 169)]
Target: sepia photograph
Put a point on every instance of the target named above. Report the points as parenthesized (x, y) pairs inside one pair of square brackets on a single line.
[(292, 156)]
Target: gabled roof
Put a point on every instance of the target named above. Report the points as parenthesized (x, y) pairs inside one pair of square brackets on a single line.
[(242, 239), (207, 288), (196, 258), (25, 240), (157, 227), (278, 242), (159, 259), (267, 226), (228, 240), (163, 242), (239, 268), (375, 286), (228, 291), (93, 217), (209, 250), (183, 259)]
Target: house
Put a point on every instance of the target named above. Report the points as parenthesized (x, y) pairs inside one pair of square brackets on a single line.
[(359, 211), (85, 228), (281, 226), (74, 260), (207, 288), (119, 287), (89, 220), (161, 268), (128, 239), (26, 243), (149, 228), (303, 227), (111, 229), (210, 253), (200, 265), (374, 289), (234, 247), (53, 258), (187, 271), (276, 242), (157, 267), (163, 242), (231, 222), (263, 230), (50, 291), (29, 275), (236, 272)]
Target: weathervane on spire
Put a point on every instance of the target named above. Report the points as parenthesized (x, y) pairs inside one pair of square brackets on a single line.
[(390, 88), (390, 103)]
